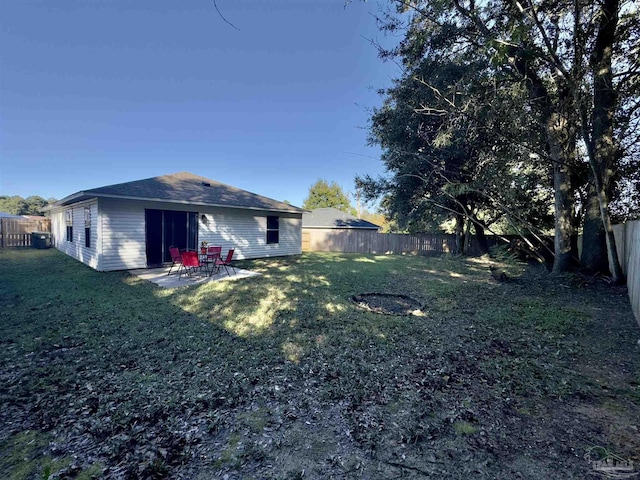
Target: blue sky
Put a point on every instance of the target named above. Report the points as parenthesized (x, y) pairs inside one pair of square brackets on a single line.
[(97, 92)]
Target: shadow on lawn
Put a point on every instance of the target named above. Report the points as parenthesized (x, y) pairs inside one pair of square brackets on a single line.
[(143, 382), (305, 301)]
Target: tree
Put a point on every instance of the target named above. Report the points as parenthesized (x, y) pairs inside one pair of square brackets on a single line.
[(17, 205), (378, 219), (323, 194), (437, 128), (14, 205), (34, 205), (614, 68), (576, 60)]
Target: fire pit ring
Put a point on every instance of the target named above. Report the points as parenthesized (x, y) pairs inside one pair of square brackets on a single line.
[(388, 303)]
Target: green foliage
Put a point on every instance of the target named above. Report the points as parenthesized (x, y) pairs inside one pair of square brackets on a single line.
[(323, 194), (504, 254), (378, 219), (446, 162), (465, 131), (17, 205), (14, 205)]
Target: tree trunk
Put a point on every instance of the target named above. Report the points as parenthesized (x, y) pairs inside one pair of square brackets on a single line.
[(560, 136), (602, 149), (561, 141), (612, 252), (459, 234), (594, 243), (481, 238), (467, 237), (563, 196)]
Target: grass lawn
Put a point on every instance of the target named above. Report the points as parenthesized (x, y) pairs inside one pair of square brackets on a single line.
[(282, 376)]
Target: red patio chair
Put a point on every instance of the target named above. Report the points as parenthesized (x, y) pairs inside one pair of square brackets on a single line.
[(176, 258), (190, 263), (213, 253), (226, 262)]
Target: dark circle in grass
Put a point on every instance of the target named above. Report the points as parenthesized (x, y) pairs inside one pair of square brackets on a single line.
[(388, 303)]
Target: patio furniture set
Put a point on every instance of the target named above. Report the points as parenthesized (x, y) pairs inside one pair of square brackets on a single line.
[(191, 263)]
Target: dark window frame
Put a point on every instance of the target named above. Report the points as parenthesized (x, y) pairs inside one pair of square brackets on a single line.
[(68, 215), (273, 230), (87, 227)]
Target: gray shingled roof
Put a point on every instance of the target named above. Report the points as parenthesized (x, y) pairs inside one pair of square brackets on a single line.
[(334, 218), (184, 188)]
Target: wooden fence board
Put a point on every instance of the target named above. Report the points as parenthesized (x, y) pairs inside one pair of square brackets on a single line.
[(628, 247), (367, 241), (16, 232), (632, 250)]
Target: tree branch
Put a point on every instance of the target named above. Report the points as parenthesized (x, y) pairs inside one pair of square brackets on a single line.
[(222, 16), (545, 38), (464, 211), (464, 112)]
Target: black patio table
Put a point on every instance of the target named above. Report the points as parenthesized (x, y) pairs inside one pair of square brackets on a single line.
[(208, 260)]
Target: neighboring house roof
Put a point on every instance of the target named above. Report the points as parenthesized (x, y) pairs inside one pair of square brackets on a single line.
[(334, 218), (10, 215), (183, 188)]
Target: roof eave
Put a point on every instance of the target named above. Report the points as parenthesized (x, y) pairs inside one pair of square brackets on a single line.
[(77, 197), (73, 198)]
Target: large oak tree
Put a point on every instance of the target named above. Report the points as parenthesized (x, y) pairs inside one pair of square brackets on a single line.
[(576, 60)]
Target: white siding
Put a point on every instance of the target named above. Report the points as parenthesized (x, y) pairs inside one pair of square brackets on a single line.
[(122, 235), (77, 248), (246, 231), (57, 227), (118, 232)]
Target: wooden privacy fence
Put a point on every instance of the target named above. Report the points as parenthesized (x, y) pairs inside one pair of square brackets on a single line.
[(16, 232), (628, 246), (369, 241)]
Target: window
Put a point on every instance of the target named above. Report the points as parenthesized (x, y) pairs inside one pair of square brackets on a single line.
[(273, 229), (87, 227), (68, 216)]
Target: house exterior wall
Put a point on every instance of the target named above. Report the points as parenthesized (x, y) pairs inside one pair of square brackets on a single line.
[(76, 248), (246, 231), (119, 241), (122, 234)]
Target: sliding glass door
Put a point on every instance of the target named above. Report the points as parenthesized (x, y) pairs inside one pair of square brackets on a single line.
[(169, 228)]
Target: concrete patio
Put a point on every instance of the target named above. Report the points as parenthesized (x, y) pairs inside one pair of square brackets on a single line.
[(159, 276)]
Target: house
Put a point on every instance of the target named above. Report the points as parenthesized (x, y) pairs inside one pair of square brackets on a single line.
[(330, 229), (331, 218), (132, 225)]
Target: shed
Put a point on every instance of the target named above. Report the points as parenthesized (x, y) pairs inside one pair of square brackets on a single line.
[(132, 225), (330, 229)]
